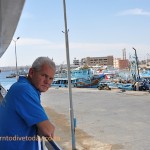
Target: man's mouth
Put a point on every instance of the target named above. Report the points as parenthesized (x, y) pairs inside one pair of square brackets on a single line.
[(45, 86)]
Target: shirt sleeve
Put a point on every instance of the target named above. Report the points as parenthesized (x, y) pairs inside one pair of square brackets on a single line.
[(29, 108)]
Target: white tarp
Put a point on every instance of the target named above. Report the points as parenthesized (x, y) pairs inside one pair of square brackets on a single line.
[(10, 12)]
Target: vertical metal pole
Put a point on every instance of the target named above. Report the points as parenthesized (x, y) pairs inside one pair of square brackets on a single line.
[(16, 60), (69, 79), (137, 64), (147, 61), (17, 74)]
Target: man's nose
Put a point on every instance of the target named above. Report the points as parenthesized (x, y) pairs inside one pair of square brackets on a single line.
[(48, 80)]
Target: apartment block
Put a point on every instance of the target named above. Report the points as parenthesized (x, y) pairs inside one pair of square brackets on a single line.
[(93, 61), (121, 63)]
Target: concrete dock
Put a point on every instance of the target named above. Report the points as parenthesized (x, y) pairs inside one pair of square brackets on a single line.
[(106, 120)]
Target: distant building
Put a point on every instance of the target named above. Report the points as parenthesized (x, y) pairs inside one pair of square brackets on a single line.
[(101, 61), (76, 62), (121, 63), (116, 62)]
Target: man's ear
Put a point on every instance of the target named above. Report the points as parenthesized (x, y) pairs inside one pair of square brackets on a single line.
[(31, 72)]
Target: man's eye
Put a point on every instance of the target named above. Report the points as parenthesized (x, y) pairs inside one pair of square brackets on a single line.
[(43, 75), (46, 76), (50, 78)]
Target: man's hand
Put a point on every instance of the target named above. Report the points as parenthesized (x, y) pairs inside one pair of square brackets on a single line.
[(46, 129)]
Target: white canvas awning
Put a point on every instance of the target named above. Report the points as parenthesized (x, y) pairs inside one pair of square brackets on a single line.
[(10, 12)]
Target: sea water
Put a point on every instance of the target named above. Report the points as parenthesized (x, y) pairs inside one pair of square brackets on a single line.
[(6, 82)]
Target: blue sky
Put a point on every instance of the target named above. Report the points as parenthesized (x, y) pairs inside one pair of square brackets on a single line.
[(97, 28)]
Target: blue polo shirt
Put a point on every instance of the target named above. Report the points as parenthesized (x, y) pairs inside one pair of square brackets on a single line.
[(20, 111)]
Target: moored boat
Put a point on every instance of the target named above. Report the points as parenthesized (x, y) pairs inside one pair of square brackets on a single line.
[(85, 77), (63, 82)]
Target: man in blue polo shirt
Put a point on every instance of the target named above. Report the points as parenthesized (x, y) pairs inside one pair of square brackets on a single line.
[(22, 116)]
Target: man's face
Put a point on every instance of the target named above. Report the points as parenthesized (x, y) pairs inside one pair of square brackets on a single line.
[(43, 78)]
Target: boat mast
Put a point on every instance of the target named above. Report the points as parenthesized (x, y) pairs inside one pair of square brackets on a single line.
[(69, 79), (137, 64)]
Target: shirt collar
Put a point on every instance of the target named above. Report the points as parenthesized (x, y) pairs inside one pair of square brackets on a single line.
[(24, 79)]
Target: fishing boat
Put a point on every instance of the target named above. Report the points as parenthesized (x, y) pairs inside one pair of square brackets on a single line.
[(145, 74), (80, 78), (85, 77), (63, 82), (125, 86), (12, 75), (91, 82), (106, 84), (21, 72)]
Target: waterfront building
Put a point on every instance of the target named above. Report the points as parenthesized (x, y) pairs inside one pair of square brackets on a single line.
[(76, 62), (121, 63), (116, 62), (101, 61)]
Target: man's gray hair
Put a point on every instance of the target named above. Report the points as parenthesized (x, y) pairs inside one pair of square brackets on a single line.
[(40, 61)]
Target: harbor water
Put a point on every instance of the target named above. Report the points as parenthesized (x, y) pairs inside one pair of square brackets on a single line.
[(6, 82)]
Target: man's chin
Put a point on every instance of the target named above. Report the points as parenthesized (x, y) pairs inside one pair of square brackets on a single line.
[(43, 89)]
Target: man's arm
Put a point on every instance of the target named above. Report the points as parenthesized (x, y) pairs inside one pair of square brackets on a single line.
[(46, 128)]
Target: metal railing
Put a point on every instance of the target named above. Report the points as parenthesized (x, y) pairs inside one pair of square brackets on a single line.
[(3, 91), (49, 144)]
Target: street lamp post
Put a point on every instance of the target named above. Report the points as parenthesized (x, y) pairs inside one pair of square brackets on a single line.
[(73, 120), (17, 73), (147, 59)]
